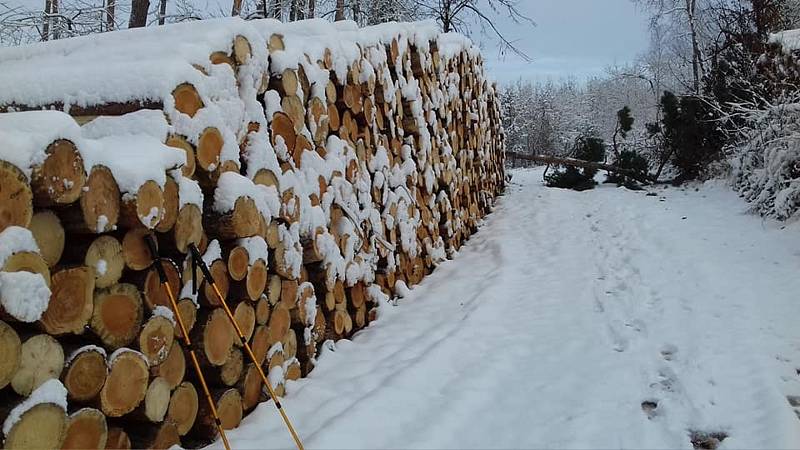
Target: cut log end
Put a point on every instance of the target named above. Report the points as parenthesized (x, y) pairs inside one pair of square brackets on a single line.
[(187, 99), (118, 439), (126, 385), (188, 228), (41, 359), (85, 376), (49, 235), (60, 179), (10, 353), (182, 409), (156, 338), (86, 429), (117, 314), (71, 301), (16, 197), (104, 255), (209, 148), (100, 202), (39, 427)]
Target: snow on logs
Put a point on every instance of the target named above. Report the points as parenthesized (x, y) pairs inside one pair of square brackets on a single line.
[(320, 169)]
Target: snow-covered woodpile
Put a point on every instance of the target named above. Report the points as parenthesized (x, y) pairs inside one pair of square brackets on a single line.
[(319, 167)]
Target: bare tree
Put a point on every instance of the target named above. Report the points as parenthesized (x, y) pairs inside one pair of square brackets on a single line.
[(110, 19), (457, 15), (685, 14), (312, 6), (139, 9), (162, 11)]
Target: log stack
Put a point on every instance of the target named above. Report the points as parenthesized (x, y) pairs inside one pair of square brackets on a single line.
[(318, 167)]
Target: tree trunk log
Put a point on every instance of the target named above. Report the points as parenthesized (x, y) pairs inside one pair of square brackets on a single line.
[(183, 406), (49, 235), (647, 179), (41, 359), (16, 197), (117, 315), (84, 375), (10, 353), (71, 301), (86, 429), (126, 384)]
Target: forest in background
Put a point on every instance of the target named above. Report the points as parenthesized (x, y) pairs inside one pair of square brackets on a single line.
[(716, 94)]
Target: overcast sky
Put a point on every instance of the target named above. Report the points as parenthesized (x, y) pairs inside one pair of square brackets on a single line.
[(571, 38)]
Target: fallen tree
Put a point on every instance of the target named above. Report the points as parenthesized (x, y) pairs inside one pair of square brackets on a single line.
[(545, 159)]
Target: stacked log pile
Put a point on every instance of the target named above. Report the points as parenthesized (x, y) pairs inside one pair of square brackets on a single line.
[(320, 169)]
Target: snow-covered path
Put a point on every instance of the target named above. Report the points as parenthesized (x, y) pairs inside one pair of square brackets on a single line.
[(558, 319)]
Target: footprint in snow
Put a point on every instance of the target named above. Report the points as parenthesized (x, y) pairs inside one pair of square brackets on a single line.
[(650, 408), (705, 440), (668, 352)]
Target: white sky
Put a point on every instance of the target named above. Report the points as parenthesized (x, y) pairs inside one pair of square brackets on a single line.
[(572, 38)]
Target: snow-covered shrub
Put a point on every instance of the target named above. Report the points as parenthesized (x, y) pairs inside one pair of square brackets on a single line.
[(766, 167)]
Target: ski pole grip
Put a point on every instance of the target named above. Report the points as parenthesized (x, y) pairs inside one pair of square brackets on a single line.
[(199, 260), (151, 245)]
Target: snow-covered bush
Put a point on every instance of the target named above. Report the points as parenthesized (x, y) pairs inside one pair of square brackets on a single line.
[(766, 167)]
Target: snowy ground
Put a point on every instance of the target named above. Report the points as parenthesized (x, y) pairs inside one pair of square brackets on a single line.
[(559, 319)]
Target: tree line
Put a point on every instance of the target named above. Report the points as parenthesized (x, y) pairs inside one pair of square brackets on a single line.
[(55, 19), (715, 94)]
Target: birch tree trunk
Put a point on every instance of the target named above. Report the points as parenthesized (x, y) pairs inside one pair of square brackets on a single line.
[(691, 8)]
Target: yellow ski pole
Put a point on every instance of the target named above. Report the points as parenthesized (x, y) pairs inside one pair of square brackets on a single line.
[(162, 276), (198, 259)]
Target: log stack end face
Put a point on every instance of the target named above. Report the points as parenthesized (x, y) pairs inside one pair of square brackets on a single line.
[(317, 182)]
